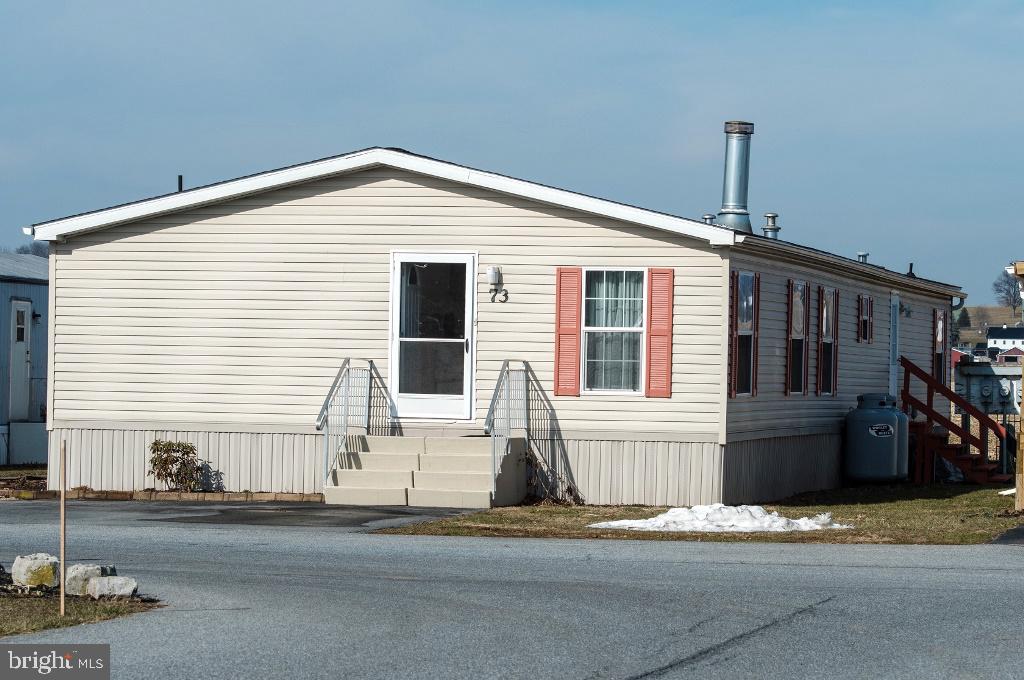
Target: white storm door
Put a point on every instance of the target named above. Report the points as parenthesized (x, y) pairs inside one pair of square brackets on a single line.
[(21, 358), (431, 368), (894, 345)]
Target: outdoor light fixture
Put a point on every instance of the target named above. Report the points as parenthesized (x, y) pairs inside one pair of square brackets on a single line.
[(494, 281)]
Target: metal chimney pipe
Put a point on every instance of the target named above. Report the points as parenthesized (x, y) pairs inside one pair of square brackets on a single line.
[(181, 183), (862, 256), (708, 218), (770, 229), (737, 174)]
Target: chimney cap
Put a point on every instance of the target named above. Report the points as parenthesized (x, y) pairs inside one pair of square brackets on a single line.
[(740, 127)]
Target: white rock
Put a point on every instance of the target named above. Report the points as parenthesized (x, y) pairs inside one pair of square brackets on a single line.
[(115, 587), (39, 569), (77, 580)]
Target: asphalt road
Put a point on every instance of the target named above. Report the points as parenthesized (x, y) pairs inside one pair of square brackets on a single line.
[(252, 595)]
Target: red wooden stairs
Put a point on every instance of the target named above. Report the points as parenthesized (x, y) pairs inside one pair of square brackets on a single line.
[(930, 437)]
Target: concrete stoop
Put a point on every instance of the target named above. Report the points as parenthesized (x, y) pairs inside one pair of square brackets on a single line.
[(438, 472)]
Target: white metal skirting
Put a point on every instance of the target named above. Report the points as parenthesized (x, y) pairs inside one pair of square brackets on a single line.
[(760, 470), (117, 460), (636, 472)]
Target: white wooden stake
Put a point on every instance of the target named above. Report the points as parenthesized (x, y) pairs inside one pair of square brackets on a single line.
[(63, 517)]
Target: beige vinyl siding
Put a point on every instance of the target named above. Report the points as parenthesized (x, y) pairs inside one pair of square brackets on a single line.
[(241, 312), (863, 367)]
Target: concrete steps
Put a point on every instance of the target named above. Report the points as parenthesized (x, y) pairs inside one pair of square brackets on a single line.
[(348, 495), (447, 498), (449, 472), (440, 462), (452, 481)]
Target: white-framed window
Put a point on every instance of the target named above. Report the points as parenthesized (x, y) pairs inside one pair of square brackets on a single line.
[(614, 311)]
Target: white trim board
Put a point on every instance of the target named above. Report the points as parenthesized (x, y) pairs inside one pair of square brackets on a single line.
[(361, 160)]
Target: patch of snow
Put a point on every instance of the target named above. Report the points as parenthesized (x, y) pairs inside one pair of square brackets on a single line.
[(718, 517), (1008, 492)]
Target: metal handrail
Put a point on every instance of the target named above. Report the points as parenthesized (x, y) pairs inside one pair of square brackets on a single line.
[(321, 419), (489, 421), (508, 410), (349, 396)]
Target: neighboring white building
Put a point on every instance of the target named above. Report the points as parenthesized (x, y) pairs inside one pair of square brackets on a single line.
[(668, 360), (1006, 337)]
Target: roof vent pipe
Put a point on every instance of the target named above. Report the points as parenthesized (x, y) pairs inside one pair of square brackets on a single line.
[(862, 256), (770, 229), (708, 218), (737, 173)]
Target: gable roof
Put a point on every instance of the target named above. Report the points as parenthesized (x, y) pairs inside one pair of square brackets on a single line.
[(1016, 351), (56, 230), (23, 267), (712, 234), (1006, 333)]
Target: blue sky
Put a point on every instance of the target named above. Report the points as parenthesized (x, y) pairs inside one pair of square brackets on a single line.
[(891, 129)]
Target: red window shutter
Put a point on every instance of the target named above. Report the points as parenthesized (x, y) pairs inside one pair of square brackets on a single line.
[(789, 340), (568, 313), (733, 331), (935, 345), (754, 339), (807, 337), (659, 332), (835, 342)]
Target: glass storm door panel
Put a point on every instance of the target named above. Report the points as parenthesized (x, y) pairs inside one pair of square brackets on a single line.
[(431, 329), (21, 358)]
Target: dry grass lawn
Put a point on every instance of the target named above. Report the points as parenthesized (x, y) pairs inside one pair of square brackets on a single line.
[(880, 514), (8, 471), (27, 614)]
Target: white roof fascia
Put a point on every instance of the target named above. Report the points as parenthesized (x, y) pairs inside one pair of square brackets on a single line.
[(360, 160), (800, 255)]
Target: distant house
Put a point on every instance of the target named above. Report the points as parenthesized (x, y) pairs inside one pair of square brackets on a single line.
[(1005, 337), (1010, 356), (408, 306), (24, 285)]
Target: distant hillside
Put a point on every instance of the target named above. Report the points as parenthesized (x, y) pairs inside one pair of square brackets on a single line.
[(984, 316)]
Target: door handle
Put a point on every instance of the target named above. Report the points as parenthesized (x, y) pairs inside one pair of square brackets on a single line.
[(467, 345)]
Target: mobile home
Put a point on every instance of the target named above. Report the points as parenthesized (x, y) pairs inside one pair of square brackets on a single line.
[(24, 292), (388, 328)]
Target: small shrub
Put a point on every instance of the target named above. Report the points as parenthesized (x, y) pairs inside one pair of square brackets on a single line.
[(176, 464)]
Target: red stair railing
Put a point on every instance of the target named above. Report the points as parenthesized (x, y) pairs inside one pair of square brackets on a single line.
[(986, 425)]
